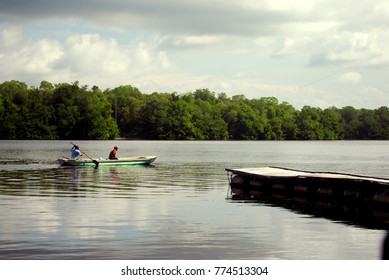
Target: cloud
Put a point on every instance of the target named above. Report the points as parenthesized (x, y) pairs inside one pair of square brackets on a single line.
[(167, 16), (85, 57), (191, 41), (89, 53), (10, 37), (352, 49), (239, 18), (256, 48), (19, 58), (350, 78)]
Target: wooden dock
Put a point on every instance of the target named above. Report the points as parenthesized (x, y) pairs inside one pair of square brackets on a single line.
[(328, 193)]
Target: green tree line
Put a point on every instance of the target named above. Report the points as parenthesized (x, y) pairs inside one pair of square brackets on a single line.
[(71, 111)]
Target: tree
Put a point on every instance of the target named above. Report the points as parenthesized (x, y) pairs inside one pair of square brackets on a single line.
[(208, 121), (72, 111), (82, 114), (330, 120), (37, 117), (96, 116), (288, 116), (350, 123), (205, 95), (127, 104), (14, 97), (155, 116), (382, 114), (370, 127), (309, 125), (243, 122)]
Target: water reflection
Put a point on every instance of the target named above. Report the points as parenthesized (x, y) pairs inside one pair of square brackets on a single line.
[(119, 182), (385, 247), (348, 213), (114, 175), (69, 181), (175, 210), (108, 212), (75, 175)]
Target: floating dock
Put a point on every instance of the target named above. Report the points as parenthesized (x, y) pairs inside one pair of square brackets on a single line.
[(329, 194)]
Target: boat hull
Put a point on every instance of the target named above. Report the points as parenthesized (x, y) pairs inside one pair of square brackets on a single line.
[(141, 160)]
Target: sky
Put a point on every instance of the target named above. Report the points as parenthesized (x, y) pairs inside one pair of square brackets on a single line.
[(319, 53)]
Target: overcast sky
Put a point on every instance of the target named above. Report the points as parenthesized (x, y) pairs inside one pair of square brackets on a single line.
[(319, 53)]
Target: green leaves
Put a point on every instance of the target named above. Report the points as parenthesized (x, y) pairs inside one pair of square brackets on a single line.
[(63, 111), (71, 111)]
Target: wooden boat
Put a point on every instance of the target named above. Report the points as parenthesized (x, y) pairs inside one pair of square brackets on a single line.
[(141, 160)]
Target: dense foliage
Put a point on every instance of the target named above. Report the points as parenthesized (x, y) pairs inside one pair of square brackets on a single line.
[(63, 111), (71, 111)]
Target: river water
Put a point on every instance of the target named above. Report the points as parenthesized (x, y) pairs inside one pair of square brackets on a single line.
[(179, 207)]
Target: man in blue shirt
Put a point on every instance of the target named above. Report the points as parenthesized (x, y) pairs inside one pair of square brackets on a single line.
[(75, 153)]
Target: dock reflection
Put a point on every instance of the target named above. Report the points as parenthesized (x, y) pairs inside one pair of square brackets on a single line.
[(385, 247), (348, 212)]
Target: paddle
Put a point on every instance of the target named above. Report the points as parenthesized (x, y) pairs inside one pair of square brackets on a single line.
[(94, 161)]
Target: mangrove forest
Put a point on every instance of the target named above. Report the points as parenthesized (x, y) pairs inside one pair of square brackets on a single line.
[(72, 111)]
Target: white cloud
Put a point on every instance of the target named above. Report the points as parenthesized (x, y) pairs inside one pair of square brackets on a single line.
[(256, 48), (21, 57), (350, 78), (192, 41), (352, 49), (89, 53), (88, 58), (40, 56), (10, 36)]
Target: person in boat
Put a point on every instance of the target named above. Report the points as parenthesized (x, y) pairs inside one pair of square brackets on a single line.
[(112, 154), (75, 152)]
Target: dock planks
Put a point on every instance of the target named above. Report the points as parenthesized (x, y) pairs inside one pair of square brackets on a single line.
[(281, 172)]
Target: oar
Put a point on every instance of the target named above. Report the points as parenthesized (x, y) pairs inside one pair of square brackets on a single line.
[(94, 161)]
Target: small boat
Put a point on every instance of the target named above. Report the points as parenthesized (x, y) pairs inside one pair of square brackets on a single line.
[(141, 160)]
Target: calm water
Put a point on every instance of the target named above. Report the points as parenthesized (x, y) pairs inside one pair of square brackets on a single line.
[(175, 209)]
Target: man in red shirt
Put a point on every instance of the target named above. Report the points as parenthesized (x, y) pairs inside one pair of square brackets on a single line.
[(112, 154)]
